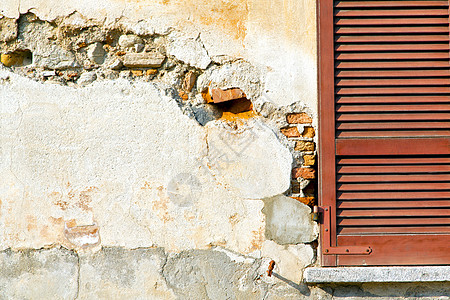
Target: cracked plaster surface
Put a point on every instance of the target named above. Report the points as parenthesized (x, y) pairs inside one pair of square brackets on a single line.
[(104, 156)]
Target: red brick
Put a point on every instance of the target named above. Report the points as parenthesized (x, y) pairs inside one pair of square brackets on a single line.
[(290, 132), (298, 118), (309, 160), (304, 146), (219, 95), (306, 173), (306, 200), (308, 132)]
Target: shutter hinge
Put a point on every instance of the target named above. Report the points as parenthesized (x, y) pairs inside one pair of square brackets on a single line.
[(327, 248)]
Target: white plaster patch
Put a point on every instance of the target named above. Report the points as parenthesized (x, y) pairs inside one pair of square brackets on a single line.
[(250, 160), (188, 50), (235, 257)]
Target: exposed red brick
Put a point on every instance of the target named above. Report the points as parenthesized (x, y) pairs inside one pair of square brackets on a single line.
[(137, 72), (151, 72), (207, 96), (290, 132), (309, 160), (308, 132), (219, 95), (298, 118), (306, 173), (183, 95), (306, 200), (304, 146)]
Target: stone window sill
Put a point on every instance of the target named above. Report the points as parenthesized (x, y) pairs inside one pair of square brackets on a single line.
[(377, 274)]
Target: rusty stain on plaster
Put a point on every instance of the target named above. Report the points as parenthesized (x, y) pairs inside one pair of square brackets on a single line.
[(258, 238), (31, 223), (228, 16), (159, 205)]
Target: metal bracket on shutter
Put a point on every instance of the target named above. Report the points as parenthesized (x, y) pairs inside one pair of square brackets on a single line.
[(341, 250)]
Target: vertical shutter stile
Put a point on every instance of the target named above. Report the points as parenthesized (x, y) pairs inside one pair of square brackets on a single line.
[(392, 131)]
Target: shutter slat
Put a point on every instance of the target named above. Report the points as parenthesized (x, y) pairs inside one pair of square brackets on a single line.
[(440, 212), (390, 133), (392, 47), (393, 99), (393, 117), (394, 178), (392, 186), (392, 195), (394, 169), (396, 73), (393, 56), (392, 64), (390, 21), (353, 4), (394, 230), (388, 108), (391, 38), (393, 125), (393, 204), (391, 30), (394, 221), (391, 12), (393, 161)]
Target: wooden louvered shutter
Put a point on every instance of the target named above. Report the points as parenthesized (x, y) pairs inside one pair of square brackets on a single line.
[(384, 152)]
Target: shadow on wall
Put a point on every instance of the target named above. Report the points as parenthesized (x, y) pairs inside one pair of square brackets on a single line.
[(422, 290), (302, 288)]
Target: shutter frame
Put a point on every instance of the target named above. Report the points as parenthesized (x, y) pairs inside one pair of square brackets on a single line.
[(345, 132)]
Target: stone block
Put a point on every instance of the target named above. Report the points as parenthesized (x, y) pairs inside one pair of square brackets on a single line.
[(96, 53), (117, 273), (377, 274), (41, 274), (8, 29), (129, 40), (298, 118), (189, 81), (288, 221), (143, 60), (304, 146), (188, 50), (206, 274)]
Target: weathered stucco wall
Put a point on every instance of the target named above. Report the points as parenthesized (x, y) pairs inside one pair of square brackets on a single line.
[(160, 150)]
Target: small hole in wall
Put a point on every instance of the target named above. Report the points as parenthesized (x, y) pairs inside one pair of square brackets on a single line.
[(229, 104)]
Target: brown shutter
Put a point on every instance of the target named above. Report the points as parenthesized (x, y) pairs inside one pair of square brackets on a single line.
[(385, 132)]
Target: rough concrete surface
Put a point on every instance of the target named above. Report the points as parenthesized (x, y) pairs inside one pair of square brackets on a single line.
[(38, 274), (117, 273)]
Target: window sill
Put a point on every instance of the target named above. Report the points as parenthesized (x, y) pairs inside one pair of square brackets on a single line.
[(377, 274)]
